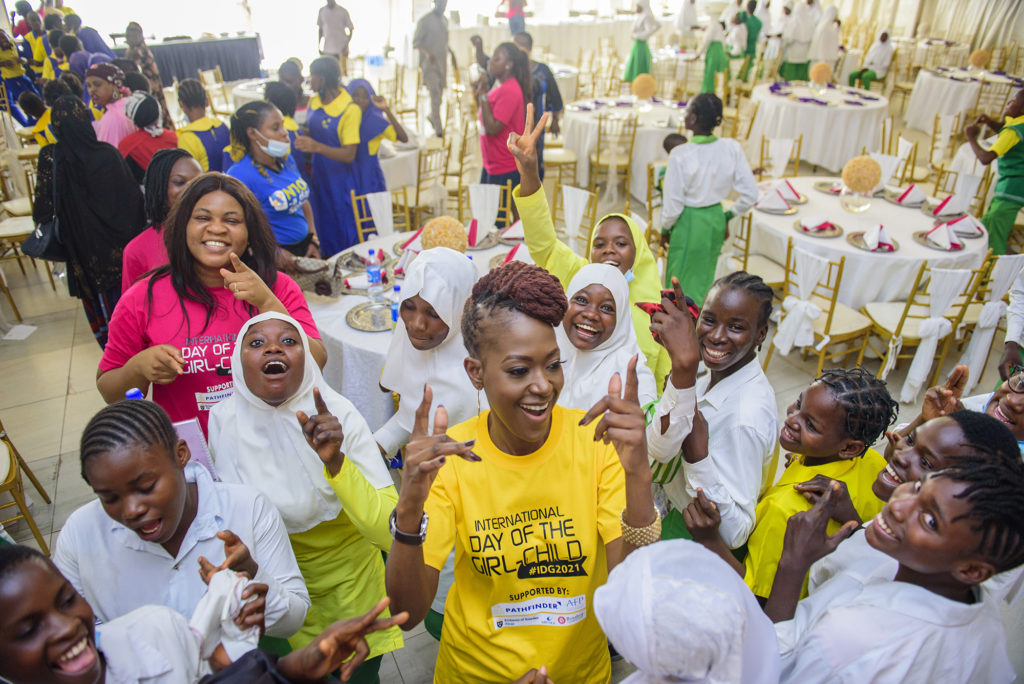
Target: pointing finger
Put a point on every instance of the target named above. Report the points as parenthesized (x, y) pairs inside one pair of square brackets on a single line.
[(422, 420), (318, 401), (632, 382), (238, 264)]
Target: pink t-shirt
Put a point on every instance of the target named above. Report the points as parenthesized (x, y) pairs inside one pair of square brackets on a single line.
[(136, 326), (114, 125), (507, 107), (145, 252)]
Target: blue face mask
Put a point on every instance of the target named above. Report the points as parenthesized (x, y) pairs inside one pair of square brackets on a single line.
[(629, 276)]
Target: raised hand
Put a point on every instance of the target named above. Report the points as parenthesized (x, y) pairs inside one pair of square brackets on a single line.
[(253, 611), (324, 434), (843, 510), (677, 332), (807, 538), (1011, 359), (524, 149), (379, 101), (335, 646), (702, 518), (236, 557), (161, 364), (535, 676), (306, 144), (426, 453), (945, 399), (622, 421), (246, 285), (971, 131)]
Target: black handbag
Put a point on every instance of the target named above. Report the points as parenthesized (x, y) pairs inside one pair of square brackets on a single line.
[(44, 242)]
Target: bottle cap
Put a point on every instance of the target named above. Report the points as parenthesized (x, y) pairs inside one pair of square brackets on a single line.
[(398, 288), (134, 393)]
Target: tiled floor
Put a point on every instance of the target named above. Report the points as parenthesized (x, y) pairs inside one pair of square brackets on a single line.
[(49, 393)]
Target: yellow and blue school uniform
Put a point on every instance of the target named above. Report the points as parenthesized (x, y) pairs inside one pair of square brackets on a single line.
[(38, 46), (335, 124), (301, 158), (42, 131), (205, 139), (281, 193), (16, 83), (782, 501), (53, 66)]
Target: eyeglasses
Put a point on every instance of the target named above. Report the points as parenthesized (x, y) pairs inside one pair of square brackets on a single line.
[(1016, 380)]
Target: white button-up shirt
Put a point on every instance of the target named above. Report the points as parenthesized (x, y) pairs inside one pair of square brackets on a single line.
[(885, 631), (703, 174), (117, 571), (150, 645), (742, 431)]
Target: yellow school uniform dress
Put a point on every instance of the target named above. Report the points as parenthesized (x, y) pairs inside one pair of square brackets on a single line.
[(529, 534), (48, 71), (43, 135), (38, 49), (205, 139), (782, 501), (15, 70)]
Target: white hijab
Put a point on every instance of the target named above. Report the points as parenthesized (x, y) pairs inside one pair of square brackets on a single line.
[(645, 25), (800, 27), (444, 279), (680, 614), (687, 17), (587, 372), (825, 44), (262, 446)]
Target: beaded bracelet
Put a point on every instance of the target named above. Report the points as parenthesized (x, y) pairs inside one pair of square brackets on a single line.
[(641, 536)]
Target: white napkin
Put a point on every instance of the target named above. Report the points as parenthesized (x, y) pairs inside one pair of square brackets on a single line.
[(815, 224), (889, 164), (967, 226), (575, 202), (380, 210), (483, 203), (357, 282), (403, 262), (878, 240), (787, 191), (943, 236), (953, 204), (903, 148), (514, 232), (519, 253), (912, 195), (362, 250), (773, 200), (779, 150), (414, 242), (214, 617)]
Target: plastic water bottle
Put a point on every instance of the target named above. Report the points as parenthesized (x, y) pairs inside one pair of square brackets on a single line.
[(134, 393), (375, 285), (396, 296)]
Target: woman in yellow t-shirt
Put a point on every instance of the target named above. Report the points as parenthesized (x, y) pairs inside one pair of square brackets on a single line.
[(537, 507), (305, 447)]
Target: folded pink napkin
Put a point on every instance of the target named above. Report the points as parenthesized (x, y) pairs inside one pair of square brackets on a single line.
[(414, 242), (773, 200), (878, 240), (514, 232), (912, 195), (787, 191), (945, 237), (966, 226)]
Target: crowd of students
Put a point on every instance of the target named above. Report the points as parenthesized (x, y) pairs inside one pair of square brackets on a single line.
[(588, 458)]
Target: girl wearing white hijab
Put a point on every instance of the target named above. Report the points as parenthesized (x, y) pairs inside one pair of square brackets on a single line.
[(680, 614), (644, 27), (335, 498), (796, 42), (587, 371), (825, 44), (686, 21), (876, 62), (440, 280)]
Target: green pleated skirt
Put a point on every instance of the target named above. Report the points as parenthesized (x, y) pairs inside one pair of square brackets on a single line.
[(639, 61), (697, 239), (715, 60), (795, 71)]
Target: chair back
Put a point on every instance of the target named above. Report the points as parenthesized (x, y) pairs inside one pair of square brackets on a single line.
[(810, 277), (741, 240), (906, 152), (431, 166), (616, 136), (654, 169), (780, 152), (992, 96), (574, 210), (901, 64), (213, 83), (948, 181), (365, 207), (944, 132)]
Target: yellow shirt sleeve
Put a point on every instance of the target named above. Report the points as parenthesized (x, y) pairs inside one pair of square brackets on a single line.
[(1008, 137), (545, 247), (368, 508), (440, 508), (611, 494), (348, 127), (189, 141)]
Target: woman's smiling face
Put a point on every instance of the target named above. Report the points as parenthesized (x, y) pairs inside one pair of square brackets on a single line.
[(729, 329), (590, 319), (613, 245)]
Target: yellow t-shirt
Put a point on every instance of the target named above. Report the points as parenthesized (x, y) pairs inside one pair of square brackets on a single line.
[(44, 136), (529, 535), (389, 134), (1008, 137), (782, 501), (11, 55)]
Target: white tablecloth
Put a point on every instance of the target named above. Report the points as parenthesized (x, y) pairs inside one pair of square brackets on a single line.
[(849, 63), (943, 92), (567, 77), (249, 91), (867, 276), (832, 134), (655, 122), (402, 169), (355, 358)]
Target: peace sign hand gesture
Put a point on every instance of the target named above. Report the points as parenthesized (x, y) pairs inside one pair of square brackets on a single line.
[(524, 149), (622, 423), (944, 399), (425, 454), (247, 286), (324, 434)]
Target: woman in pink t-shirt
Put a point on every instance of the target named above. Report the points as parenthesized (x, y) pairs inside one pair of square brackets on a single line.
[(176, 329), (168, 173), (503, 111), (105, 83)]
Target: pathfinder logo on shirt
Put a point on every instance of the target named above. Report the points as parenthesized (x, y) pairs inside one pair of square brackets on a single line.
[(552, 612), (534, 544)]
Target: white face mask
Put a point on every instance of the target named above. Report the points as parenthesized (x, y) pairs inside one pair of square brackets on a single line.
[(275, 148)]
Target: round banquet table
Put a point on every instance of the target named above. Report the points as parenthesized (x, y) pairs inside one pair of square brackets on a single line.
[(355, 358), (944, 90), (655, 121), (867, 276), (832, 133), (249, 91), (400, 164)]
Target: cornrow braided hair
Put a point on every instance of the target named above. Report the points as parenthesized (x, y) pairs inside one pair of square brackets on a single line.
[(755, 286), (516, 286), (707, 107), (191, 93), (13, 555), (249, 115), (986, 435), (129, 422), (995, 492), (864, 399), (158, 174)]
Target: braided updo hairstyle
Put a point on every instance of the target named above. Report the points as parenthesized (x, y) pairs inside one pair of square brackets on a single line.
[(864, 399), (707, 108), (516, 286)]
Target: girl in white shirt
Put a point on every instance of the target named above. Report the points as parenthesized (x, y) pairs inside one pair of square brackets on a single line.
[(825, 44), (797, 33), (698, 176), (157, 516), (876, 62), (644, 27), (730, 452)]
